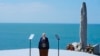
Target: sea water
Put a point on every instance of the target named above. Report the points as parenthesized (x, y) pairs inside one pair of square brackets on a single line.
[(16, 35)]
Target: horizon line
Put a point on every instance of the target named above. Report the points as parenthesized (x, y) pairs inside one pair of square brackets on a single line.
[(42, 23)]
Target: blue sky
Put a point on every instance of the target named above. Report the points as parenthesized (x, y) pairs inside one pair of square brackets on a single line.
[(48, 11)]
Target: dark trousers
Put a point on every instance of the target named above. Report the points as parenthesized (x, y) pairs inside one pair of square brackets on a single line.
[(43, 52)]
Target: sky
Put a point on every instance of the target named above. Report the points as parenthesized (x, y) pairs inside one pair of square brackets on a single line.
[(48, 11)]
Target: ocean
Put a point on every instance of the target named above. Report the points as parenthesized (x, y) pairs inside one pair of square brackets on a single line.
[(15, 35)]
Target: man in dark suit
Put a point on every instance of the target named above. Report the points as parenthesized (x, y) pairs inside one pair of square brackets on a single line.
[(43, 45)]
